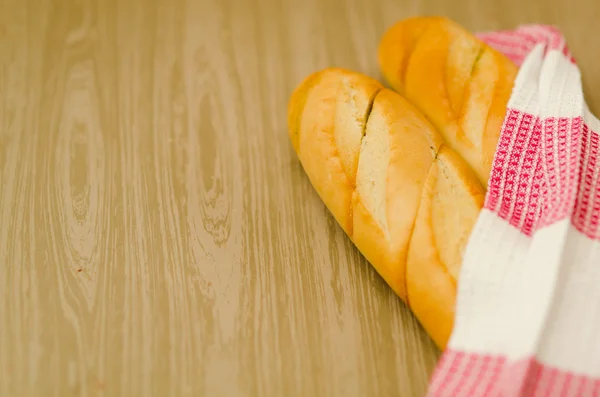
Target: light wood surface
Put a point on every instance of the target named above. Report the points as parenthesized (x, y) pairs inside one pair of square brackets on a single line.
[(158, 236)]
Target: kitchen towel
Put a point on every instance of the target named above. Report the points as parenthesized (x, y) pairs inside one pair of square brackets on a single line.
[(527, 317)]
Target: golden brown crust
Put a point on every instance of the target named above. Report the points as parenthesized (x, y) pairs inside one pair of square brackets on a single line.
[(461, 84)]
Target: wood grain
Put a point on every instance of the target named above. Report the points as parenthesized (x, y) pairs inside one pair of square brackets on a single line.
[(158, 237)]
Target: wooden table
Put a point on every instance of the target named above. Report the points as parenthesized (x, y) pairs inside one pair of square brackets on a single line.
[(158, 236)]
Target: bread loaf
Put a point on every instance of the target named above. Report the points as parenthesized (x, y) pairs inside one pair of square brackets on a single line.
[(385, 174), (405, 175), (458, 82)]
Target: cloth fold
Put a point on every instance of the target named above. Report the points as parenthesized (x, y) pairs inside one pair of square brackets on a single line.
[(528, 302)]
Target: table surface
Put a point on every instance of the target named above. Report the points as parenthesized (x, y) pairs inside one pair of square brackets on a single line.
[(158, 236)]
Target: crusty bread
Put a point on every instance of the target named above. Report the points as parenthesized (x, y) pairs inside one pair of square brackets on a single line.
[(407, 201), (404, 172), (459, 83)]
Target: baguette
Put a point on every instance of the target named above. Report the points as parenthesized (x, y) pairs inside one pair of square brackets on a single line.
[(406, 199), (461, 84), (404, 171)]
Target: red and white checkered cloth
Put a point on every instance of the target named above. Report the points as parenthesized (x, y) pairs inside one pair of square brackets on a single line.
[(528, 304)]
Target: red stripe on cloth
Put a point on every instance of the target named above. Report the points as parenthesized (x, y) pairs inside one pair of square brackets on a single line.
[(516, 177), (545, 171), (515, 48), (461, 374), (546, 34), (586, 215), (509, 43), (561, 150), (517, 44)]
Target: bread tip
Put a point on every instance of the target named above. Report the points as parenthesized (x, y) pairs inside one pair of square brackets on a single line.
[(296, 105), (397, 44)]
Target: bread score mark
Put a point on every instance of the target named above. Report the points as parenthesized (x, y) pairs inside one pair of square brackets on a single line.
[(396, 155), (407, 59), (477, 58), (449, 207), (364, 123), (327, 121), (414, 225)]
